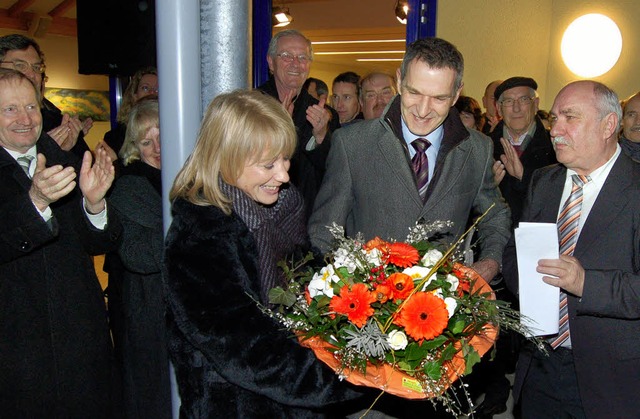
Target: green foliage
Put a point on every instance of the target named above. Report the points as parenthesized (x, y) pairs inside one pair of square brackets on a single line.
[(279, 296)]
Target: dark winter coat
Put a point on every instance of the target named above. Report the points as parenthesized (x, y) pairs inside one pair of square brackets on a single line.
[(307, 166), (537, 153), (137, 199), (232, 360), (55, 348)]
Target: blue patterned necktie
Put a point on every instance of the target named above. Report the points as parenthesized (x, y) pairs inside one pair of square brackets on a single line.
[(420, 164), (568, 223)]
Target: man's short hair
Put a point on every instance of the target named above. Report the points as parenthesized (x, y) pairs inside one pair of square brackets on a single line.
[(624, 103), (368, 77), (18, 42), (273, 44), (436, 53), (10, 75), (321, 87), (607, 101), (348, 77)]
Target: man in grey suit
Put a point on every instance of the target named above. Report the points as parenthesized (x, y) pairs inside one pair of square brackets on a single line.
[(370, 185), (594, 370)]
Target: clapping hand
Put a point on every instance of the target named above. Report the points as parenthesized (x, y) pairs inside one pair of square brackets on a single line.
[(318, 116), (50, 183), (96, 180), (110, 152), (87, 124), (66, 135), (510, 159)]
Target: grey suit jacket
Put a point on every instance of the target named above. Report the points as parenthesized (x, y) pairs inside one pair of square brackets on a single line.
[(369, 186), (605, 322)]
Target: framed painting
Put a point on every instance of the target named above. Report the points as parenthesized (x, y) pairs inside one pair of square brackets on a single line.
[(81, 103)]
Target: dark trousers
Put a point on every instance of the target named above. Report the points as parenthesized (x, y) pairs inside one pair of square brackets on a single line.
[(550, 388)]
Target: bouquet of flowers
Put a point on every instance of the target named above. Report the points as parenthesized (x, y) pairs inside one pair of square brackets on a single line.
[(404, 317)]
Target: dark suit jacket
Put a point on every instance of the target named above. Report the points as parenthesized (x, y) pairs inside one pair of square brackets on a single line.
[(369, 186), (55, 348), (307, 166), (537, 153), (605, 322)]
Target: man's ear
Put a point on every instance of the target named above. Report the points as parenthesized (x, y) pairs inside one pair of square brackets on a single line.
[(270, 63), (609, 124), (398, 80)]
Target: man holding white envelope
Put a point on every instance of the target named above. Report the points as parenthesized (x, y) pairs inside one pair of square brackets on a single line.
[(593, 196)]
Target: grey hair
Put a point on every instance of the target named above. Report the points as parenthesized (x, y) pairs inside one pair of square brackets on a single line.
[(273, 44), (607, 101)]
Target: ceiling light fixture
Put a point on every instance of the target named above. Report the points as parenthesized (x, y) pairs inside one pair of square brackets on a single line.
[(402, 9), (369, 60), (364, 41), (358, 52), (281, 17)]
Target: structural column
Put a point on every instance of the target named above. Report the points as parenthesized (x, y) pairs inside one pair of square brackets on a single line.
[(225, 42)]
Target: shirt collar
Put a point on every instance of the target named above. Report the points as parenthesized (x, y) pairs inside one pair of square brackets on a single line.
[(599, 175), (31, 152), (521, 139), (435, 137)]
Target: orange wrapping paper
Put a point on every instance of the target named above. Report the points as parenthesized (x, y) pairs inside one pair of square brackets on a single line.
[(385, 377)]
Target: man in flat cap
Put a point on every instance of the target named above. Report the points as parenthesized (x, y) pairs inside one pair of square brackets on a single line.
[(521, 143)]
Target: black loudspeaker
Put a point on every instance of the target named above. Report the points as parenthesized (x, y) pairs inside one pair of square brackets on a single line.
[(116, 37)]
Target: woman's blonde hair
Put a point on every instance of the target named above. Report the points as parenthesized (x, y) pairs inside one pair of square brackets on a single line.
[(237, 129), (143, 116), (128, 98)]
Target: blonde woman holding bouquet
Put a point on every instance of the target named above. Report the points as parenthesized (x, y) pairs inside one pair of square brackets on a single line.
[(234, 217)]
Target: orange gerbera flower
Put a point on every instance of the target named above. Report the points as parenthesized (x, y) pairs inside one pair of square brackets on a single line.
[(403, 255), (354, 303), (464, 286), (377, 243), (424, 316), (383, 292), (401, 285)]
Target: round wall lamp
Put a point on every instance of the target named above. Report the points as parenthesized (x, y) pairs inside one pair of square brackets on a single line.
[(591, 45)]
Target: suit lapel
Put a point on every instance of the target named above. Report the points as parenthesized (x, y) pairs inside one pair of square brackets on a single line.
[(399, 166), (451, 169), (549, 196), (610, 201), (11, 166)]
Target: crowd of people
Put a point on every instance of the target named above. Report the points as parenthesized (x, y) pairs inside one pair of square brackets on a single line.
[(271, 168)]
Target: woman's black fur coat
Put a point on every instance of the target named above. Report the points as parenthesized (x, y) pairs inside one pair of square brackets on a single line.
[(231, 360)]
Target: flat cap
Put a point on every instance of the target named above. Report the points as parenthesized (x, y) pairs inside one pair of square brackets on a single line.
[(512, 82)]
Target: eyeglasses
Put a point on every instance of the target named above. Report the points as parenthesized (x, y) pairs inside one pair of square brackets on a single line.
[(523, 101), (23, 66), (149, 89), (288, 57), (384, 94)]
